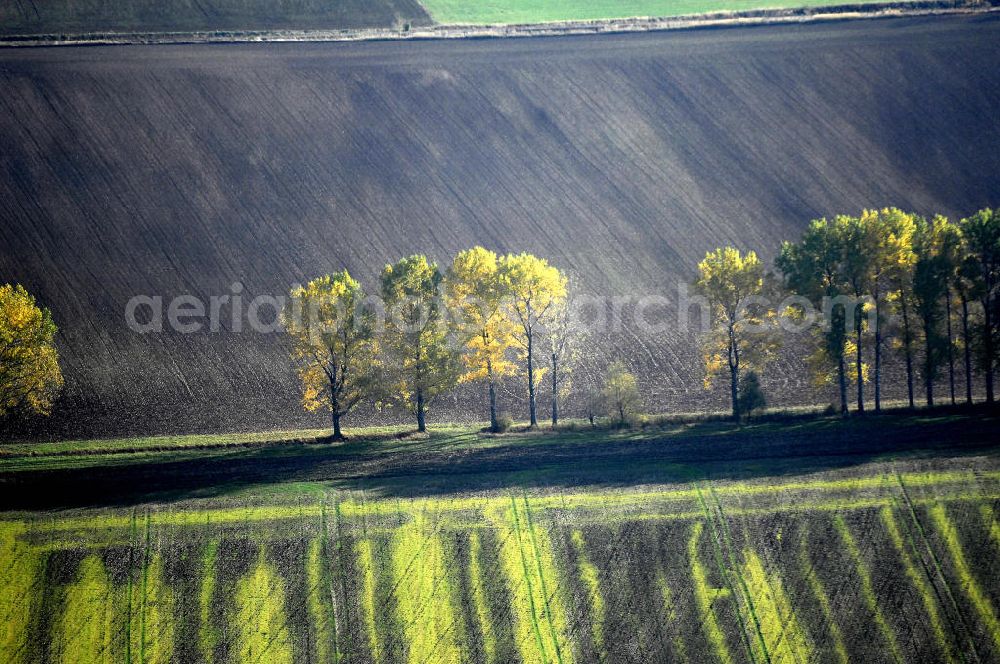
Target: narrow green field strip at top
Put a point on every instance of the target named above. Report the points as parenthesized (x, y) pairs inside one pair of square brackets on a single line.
[(154, 443), (543, 11)]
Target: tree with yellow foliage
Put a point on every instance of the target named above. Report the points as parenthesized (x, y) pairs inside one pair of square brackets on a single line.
[(535, 291), (476, 298), (334, 344), (742, 331), (30, 378), (887, 236), (420, 359)]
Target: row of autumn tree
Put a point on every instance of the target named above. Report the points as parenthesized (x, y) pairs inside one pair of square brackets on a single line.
[(926, 288), (483, 318)]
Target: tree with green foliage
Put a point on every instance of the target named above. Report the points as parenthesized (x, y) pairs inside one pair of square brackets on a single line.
[(752, 397), (477, 299), (621, 393), (952, 249), (967, 287), (535, 290), (30, 378), (930, 285), (811, 269), (334, 344), (857, 267), (419, 359), (982, 236), (742, 335)]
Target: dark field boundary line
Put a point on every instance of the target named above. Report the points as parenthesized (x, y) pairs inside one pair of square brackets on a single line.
[(764, 451), (721, 19)]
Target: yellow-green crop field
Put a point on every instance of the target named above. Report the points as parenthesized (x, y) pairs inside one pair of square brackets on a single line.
[(884, 563)]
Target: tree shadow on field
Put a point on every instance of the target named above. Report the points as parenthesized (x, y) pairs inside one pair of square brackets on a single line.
[(466, 462)]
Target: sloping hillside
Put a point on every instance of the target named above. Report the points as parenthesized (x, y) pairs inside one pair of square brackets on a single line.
[(183, 169), (26, 17)]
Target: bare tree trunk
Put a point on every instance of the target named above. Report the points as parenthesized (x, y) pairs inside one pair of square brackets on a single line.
[(858, 362), (734, 374), (555, 392), (929, 362), (968, 351), (878, 357), (988, 346), (908, 351), (951, 349), (842, 380), (421, 422), (337, 433), (494, 425), (531, 385), (335, 405)]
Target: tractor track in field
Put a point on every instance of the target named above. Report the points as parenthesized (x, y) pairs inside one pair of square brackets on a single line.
[(713, 454)]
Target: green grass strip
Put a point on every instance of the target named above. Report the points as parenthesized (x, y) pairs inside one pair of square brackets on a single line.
[(318, 615), (425, 599), (129, 613), (516, 564), (342, 622), (820, 594), (366, 561), (990, 521), (920, 582), (20, 590), (157, 616), (705, 597), (546, 567), (590, 578), (724, 574), (785, 639), (735, 570), (867, 588), (477, 582), (975, 593), (208, 636), (326, 579), (143, 592), (260, 621), (90, 621), (918, 527)]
